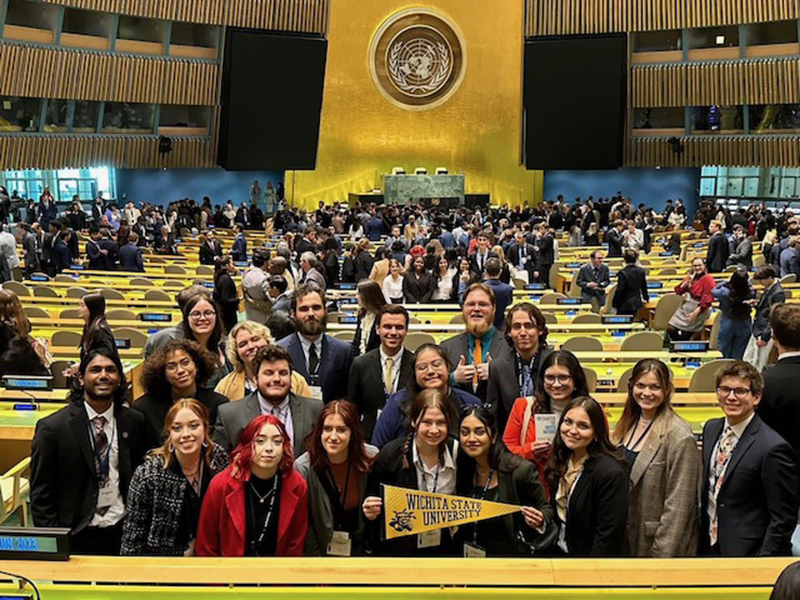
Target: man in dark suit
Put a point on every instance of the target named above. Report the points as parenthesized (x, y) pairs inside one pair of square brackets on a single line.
[(759, 346), (239, 249), (750, 487), (109, 250), (616, 239), (631, 293), (379, 373), (718, 249), (94, 253), (210, 250), (61, 257), (524, 256), (84, 456), (546, 245), (780, 405), (471, 352), (30, 245), (324, 361), (482, 254), (374, 228), (277, 290), (273, 368), (130, 255), (503, 292), (308, 243), (743, 254), (593, 279)]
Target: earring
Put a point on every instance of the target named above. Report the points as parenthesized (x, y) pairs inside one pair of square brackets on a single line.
[(170, 448)]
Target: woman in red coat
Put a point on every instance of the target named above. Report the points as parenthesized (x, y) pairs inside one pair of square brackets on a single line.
[(258, 505)]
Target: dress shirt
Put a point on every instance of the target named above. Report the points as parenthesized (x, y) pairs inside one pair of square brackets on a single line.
[(441, 479), (367, 325), (116, 511), (398, 360), (444, 287), (392, 289), (788, 355), (306, 344), (282, 411)]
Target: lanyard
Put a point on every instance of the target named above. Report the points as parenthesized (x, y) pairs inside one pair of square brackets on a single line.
[(425, 479), (483, 495), (256, 544), (523, 383), (641, 437)]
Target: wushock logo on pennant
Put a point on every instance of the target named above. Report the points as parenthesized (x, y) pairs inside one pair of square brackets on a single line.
[(408, 512)]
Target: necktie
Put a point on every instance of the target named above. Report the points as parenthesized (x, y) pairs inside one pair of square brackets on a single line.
[(313, 360), (389, 375), (277, 413), (100, 448), (477, 358), (726, 445)]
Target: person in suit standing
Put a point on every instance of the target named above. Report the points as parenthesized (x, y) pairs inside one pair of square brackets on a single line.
[(545, 247), (481, 255), (780, 403), (30, 244), (750, 485), (471, 352), (311, 274), (273, 396), (503, 293), (381, 372), (718, 249), (225, 294), (524, 256), (418, 284), (760, 344), (93, 251), (130, 255), (210, 249), (239, 249), (631, 293), (323, 360), (109, 250), (743, 254), (593, 279), (664, 462), (616, 239), (84, 455), (735, 320)]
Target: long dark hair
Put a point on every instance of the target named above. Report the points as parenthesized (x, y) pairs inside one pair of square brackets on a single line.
[(216, 334), (739, 286), (787, 587), (372, 298), (560, 358), (601, 445), (96, 304), (500, 459), (356, 453)]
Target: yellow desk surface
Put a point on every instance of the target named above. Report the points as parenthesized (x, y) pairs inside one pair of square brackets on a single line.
[(633, 356), (122, 285), (608, 374), (157, 277), (56, 305)]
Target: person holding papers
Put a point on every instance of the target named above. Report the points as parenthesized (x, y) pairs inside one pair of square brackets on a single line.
[(665, 467), (487, 471)]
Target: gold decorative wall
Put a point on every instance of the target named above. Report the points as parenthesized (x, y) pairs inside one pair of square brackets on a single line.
[(477, 130)]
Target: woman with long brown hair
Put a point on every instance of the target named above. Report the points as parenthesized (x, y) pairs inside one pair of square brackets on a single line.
[(335, 468), (370, 301), (20, 354), (665, 466), (96, 332), (167, 490)]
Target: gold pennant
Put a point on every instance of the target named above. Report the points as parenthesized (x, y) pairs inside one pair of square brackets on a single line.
[(408, 512)]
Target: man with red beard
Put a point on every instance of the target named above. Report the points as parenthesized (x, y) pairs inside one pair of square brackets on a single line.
[(324, 361), (471, 352)]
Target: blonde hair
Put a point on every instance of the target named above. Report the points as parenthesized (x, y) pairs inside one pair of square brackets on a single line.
[(252, 328), (166, 449)]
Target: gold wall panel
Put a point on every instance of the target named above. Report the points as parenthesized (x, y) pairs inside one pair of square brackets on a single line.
[(476, 131), (761, 151), (285, 15), (83, 75), (771, 81), (551, 17), (75, 151)]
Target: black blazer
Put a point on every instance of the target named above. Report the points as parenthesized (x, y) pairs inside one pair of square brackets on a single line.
[(130, 258), (96, 259), (631, 292), (207, 255), (473, 262), (503, 388), (770, 297), (615, 242), (366, 389), (757, 503), (597, 515), (718, 252), (334, 367), (780, 403), (418, 290), (64, 487), (110, 259), (530, 253), (226, 296), (373, 341), (154, 410)]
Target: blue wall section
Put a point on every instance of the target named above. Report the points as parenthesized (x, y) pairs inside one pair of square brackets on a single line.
[(651, 186), (162, 187)]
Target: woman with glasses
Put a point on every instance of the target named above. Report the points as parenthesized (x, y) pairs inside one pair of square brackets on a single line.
[(487, 471), (202, 323), (176, 370), (690, 317), (661, 452), (431, 371), (562, 379), (425, 460), (588, 484)]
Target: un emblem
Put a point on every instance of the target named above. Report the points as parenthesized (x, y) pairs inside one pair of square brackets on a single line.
[(418, 59)]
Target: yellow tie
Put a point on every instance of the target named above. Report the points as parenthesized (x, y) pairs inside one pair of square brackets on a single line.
[(389, 375), (477, 358)]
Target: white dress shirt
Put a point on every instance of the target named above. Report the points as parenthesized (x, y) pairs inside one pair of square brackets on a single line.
[(398, 361), (441, 479), (392, 288), (367, 325), (116, 511), (306, 344), (282, 411)]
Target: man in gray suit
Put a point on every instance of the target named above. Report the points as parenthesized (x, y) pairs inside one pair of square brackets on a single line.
[(273, 368), (308, 262)]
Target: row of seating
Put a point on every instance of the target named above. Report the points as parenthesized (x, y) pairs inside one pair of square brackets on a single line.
[(44, 291)]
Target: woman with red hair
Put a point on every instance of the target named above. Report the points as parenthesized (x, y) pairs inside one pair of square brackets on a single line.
[(258, 505), (335, 469)]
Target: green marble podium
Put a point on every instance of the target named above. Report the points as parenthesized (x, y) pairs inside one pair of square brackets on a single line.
[(403, 189)]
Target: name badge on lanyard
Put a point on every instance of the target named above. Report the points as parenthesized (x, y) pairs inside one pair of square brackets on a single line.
[(340, 544), (429, 539)]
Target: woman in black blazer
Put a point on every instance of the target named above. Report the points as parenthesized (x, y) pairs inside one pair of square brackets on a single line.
[(225, 292), (487, 471), (588, 484), (371, 300), (418, 284), (631, 292), (96, 332)]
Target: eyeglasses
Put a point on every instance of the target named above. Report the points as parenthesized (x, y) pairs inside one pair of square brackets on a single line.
[(740, 393), (437, 364), (208, 315), (561, 379)]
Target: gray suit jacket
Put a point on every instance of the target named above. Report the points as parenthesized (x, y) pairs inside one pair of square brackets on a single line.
[(314, 276), (237, 415)]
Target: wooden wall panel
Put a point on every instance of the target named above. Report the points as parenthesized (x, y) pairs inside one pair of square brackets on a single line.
[(85, 75), (75, 151), (745, 151), (551, 17)]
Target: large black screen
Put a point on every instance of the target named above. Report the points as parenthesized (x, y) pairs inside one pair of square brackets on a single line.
[(271, 100), (574, 102)]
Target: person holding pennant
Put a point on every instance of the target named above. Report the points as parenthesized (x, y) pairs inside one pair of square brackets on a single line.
[(588, 482), (487, 471), (335, 469), (423, 460)]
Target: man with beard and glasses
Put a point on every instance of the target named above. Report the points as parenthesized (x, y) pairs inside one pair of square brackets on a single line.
[(84, 456), (472, 351), (273, 368), (324, 361)]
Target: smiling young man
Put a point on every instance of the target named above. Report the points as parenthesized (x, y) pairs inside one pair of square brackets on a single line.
[(471, 352), (379, 373), (272, 366), (84, 456), (750, 488)]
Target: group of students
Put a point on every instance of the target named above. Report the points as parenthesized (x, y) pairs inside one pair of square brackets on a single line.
[(287, 453)]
